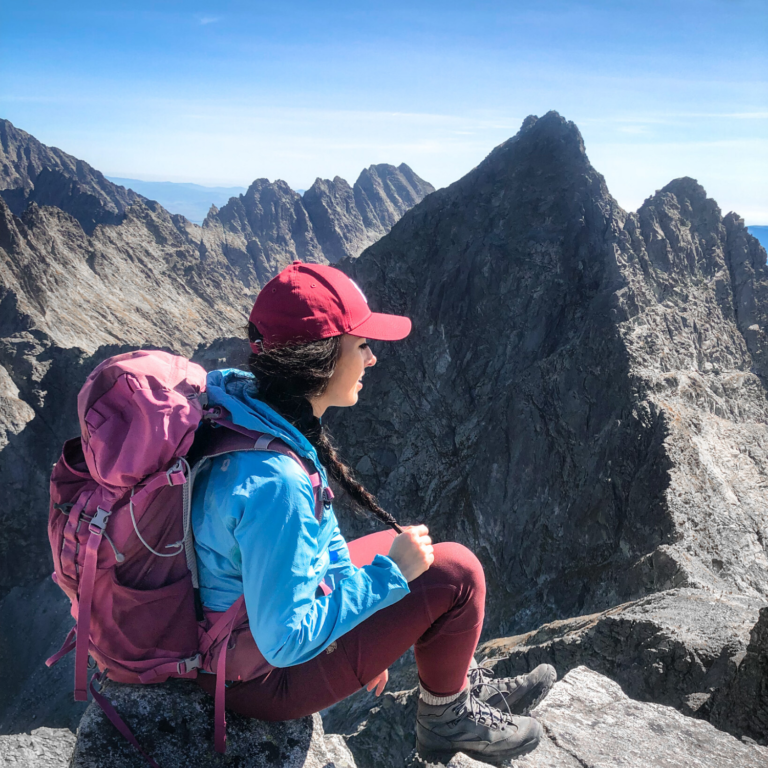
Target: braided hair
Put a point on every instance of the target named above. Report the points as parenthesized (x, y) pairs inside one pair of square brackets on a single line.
[(288, 376)]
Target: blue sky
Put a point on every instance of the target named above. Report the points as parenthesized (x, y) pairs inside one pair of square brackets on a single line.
[(222, 93)]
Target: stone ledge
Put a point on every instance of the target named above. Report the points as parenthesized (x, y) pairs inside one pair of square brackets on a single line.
[(174, 723)]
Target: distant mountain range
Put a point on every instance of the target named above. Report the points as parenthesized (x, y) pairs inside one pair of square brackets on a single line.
[(257, 232), (193, 201)]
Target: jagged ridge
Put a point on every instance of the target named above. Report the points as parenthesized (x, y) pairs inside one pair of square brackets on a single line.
[(32, 172)]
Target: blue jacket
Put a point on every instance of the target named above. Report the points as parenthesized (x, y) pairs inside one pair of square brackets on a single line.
[(256, 534)]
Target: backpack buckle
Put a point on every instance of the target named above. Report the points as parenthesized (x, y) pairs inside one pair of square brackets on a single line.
[(99, 521), (174, 470), (187, 665), (327, 496)]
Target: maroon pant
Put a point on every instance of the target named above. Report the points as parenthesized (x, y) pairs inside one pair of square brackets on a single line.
[(442, 616)]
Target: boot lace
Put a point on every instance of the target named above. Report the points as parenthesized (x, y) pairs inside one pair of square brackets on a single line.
[(479, 675), (483, 713)]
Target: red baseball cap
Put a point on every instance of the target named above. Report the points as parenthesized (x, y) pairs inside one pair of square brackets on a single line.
[(307, 302)]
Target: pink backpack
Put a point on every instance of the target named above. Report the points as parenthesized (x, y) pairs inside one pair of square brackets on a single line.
[(121, 533)]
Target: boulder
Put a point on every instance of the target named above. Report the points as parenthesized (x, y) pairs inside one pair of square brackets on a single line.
[(173, 722), (677, 647)]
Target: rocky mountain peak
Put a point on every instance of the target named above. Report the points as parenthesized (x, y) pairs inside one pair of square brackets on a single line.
[(565, 357), (32, 172)]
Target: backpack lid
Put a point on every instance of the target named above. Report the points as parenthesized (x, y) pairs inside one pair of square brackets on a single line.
[(138, 413)]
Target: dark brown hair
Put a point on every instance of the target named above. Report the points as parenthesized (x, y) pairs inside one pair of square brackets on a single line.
[(287, 377)]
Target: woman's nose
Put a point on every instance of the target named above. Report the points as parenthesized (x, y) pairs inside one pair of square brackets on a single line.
[(371, 360)]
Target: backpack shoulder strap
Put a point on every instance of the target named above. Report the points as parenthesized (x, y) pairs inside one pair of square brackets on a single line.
[(227, 437)]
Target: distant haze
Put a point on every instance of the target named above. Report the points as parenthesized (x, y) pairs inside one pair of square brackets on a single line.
[(190, 200)]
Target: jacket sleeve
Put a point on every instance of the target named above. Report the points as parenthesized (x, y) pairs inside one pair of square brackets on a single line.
[(282, 565)]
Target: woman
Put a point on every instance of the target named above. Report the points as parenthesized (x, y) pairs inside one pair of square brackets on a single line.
[(329, 618)]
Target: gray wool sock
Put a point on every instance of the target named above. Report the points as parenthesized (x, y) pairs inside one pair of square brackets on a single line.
[(432, 700)]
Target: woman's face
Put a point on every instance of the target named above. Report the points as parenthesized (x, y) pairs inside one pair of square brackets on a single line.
[(345, 383)]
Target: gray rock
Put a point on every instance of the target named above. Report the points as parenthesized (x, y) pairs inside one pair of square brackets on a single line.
[(591, 720), (173, 722), (264, 230), (379, 730), (578, 402), (271, 225), (679, 648), (43, 748), (676, 648), (338, 751), (741, 708)]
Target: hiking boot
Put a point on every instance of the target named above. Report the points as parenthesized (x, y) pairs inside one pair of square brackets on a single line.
[(469, 725), (518, 695)]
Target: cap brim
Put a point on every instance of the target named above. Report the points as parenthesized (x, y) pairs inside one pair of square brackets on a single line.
[(383, 327)]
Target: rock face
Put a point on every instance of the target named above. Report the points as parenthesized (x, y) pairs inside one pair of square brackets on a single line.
[(173, 722), (582, 400), (592, 722), (68, 301), (349, 219), (741, 707), (35, 622), (679, 648), (33, 172), (688, 649), (588, 721)]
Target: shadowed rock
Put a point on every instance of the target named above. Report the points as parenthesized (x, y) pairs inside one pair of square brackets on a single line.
[(741, 707)]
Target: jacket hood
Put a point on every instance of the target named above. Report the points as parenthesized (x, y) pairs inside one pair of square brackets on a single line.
[(237, 391)]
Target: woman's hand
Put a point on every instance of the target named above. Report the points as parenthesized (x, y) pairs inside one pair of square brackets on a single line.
[(412, 551), (378, 682)]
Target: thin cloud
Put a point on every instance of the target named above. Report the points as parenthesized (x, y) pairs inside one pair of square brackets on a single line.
[(209, 19)]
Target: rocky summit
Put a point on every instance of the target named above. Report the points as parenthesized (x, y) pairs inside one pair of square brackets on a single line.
[(582, 402)]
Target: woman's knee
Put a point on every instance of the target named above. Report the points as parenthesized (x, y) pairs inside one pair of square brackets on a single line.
[(459, 565)]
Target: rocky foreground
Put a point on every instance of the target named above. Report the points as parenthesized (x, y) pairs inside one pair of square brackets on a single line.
[(588, 722)]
